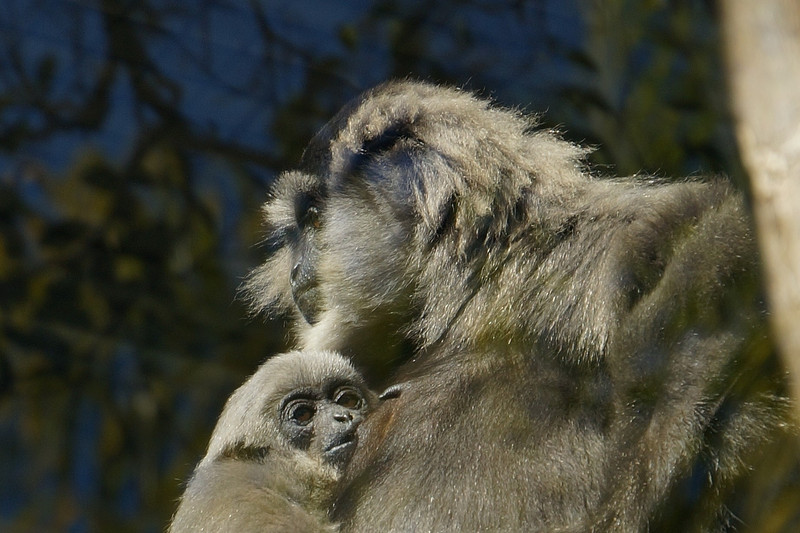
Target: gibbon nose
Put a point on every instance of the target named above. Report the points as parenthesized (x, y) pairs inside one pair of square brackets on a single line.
[(343, 416)]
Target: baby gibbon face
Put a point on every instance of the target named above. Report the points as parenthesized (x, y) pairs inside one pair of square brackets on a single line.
[(322, 420)]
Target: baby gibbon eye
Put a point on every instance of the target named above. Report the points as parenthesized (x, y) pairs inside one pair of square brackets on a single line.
[(301, 413), (348, 398)]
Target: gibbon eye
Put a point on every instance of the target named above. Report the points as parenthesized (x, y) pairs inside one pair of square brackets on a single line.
[(348, 398), (301, 414), (310, 218), (308, 212)]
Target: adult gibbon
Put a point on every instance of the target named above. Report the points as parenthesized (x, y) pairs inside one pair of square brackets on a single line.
[(576, 353)]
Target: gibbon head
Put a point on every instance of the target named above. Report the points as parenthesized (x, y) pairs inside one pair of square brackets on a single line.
[(395, 211), (311, 402)]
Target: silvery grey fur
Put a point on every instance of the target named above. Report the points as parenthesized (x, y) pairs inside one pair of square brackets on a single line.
[(573, 350), (252, 479)]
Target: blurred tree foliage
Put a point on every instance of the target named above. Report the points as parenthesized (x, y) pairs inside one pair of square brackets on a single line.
[(653, 93), (137, 140), (119, 340)]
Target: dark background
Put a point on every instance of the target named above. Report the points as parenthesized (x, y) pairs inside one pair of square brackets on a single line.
[(138, 138)]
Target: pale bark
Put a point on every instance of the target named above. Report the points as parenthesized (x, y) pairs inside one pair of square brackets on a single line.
[(762, 46)]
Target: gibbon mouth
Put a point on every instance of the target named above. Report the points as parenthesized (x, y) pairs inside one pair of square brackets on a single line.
[(342, 443), (340, 450)]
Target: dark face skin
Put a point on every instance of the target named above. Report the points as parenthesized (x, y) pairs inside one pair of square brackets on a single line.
[(303, 277), (323, 420)]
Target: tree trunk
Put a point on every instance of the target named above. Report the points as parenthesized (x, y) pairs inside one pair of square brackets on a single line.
[(762, 46)]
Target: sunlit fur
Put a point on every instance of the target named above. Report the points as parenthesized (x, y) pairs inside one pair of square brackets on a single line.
[(575, 351), (251, 479)]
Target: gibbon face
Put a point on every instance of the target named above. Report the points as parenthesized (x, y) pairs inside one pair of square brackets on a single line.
[(322, 419)]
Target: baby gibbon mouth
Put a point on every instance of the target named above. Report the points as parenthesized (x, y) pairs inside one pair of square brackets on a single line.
[(339, 451), (342, 442)]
